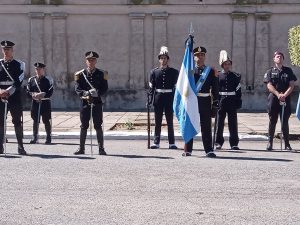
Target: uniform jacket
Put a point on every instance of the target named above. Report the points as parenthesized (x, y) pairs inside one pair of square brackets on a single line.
[(162, 79), (211, 85), (16, 70), (280, 79), (98, 79), (230, 82), (45, 84)]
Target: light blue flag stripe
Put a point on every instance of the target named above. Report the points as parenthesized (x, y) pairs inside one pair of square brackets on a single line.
[(185, 103), (298, 108)]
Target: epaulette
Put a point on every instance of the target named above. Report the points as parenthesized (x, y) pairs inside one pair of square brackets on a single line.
[(105, 74), (77, 74), (236, 74)]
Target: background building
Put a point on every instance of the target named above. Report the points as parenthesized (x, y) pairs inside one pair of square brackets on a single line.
[(129, 33)]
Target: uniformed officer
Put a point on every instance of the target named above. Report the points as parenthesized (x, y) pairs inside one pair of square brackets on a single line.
[(40, 89), (90, 84), (11, 78), (208, 103), (161, 92), (280, 83), (230, 100)]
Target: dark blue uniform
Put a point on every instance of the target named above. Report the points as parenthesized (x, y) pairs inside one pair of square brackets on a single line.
[(161, 90), (14, 79), (36, 85), (83, 81), (230, 100), (208, 94), (280, 79)]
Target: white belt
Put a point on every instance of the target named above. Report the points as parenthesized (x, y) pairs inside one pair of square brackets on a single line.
[(203, 94), (44, 99), (227, 93), (164, 90), (6, 83)]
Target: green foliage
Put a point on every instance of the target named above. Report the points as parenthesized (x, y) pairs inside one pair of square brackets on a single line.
[(56, 2), (249, 2), (156, 2), (129, 125), (38, 2), (294, 45), (45, 2), (136, 2)]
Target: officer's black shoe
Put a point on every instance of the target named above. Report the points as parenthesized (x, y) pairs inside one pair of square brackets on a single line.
[(80, 151), (185, 154), (235, 148), (102, 151), (33, 141), (21, 151), (269, 147), (218, 146), (211, 155), (154, 146), (288, 147), (172, 146), (48, 141), (1, 150)]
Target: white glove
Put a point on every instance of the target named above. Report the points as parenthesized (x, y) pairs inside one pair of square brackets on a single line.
[(11, 90), (93, 92), (40, 95)]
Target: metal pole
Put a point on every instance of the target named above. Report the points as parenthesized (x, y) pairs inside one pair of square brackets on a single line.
[(282, 114), (5, 124), (38, 120), (215, 129), (91, 128), (148, 125)]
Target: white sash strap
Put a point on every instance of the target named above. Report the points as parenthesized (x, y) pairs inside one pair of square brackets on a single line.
[(203, 94), (227, 93), (164, 90)]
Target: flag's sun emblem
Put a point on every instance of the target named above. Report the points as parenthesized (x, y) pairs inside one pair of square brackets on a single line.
[(186, 92)]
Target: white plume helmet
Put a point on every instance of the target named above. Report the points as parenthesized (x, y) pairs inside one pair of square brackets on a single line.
[(224, 57), (163, 51)]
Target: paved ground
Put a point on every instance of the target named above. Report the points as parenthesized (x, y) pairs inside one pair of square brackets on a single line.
[(67, 125), (134, 185)]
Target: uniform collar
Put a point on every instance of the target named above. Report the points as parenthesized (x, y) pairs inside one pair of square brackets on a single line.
[(200, 67), (8, 60), (90, 71), (225, 72)]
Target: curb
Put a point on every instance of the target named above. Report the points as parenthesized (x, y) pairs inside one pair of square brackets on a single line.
[(120, 135)]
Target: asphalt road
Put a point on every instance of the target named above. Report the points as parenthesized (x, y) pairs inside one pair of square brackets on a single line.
[(134, 185)]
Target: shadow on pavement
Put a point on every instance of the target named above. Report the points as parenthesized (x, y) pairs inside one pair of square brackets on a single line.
[(139, 156), (10, 156), (42, 156), (274, 150), (254, 159)]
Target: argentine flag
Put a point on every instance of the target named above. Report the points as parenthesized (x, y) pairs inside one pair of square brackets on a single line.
[(298, 108), (185, 103)]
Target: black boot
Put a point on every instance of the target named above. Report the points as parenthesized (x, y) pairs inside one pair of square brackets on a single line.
[(270, 144), (19, 135), (287, 145), (99, 133), (48, 132), (271, 132), (81, 149), (1, 140), (35, 131)]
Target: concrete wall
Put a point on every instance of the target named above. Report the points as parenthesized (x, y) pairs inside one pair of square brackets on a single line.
[(128, 38)]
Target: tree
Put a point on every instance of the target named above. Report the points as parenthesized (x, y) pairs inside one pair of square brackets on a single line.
[(294, 45)]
